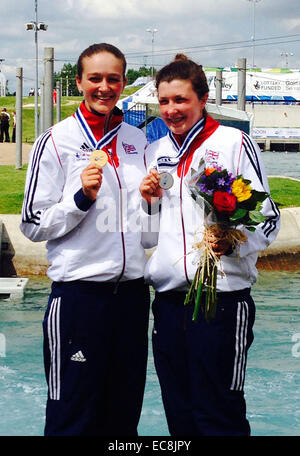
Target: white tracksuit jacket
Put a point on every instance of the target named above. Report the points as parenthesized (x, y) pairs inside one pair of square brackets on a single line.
[(172, 266), (100, 241)]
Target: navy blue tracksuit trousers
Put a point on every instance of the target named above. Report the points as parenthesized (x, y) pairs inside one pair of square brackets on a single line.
[(201, 366), (95, 355)]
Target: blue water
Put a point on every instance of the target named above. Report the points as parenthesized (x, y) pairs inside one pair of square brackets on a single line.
[(282, 163), (272, 385), (273, 376)]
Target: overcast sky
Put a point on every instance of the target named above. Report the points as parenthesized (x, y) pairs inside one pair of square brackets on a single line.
[(211, 32)]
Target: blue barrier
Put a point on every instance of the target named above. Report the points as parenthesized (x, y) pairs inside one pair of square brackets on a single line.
[(135, 117), (156, 129)]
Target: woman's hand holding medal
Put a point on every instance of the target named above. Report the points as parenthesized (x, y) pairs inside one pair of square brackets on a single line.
[(150, 188), (91, 176)]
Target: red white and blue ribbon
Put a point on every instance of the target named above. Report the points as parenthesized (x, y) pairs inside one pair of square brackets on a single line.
[(167, 161), (88, 134)]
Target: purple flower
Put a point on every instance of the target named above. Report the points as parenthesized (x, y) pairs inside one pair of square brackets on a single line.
[(203, 188), (219, 179), (221, 182)]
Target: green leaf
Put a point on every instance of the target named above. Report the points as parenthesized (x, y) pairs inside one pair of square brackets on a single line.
[(207, 198), (201, 163), (258, 206), (257, 216), (248, 204), (259, 196), (250, 228), (240, 213)]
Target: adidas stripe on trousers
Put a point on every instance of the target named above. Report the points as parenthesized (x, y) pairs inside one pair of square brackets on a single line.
[(95, 356), (201, 367)]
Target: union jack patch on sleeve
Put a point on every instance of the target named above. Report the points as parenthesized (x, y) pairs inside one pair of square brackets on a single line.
[(211, 158), (129, 148)]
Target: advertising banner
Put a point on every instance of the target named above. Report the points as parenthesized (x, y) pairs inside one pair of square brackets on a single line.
[(287, 133), (260, 85)]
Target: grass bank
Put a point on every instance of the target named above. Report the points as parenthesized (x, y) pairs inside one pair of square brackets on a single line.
[(68, 106), (12, 183), (285, 192)]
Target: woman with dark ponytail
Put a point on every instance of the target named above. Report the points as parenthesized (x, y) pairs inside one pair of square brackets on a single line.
[(201, 366)]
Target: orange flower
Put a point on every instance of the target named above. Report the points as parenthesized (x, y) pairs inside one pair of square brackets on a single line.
[(209, 171)]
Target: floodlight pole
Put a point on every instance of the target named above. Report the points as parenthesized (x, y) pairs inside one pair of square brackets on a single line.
[(286, 55), (152, 31), (253, 37), (36, 90), (34, 25)]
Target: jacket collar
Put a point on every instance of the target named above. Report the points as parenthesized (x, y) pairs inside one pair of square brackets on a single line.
[(99, 123), (209, 128)]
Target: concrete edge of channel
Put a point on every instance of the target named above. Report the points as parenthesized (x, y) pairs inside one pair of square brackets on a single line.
[(21, 257)]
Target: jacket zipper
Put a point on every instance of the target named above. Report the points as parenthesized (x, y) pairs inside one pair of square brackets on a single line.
[(182, 220), (122, 229)]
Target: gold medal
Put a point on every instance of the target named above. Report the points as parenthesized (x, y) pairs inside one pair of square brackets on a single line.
[(99, 158)]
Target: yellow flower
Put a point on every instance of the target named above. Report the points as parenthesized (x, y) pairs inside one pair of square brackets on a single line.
[(241, 190)]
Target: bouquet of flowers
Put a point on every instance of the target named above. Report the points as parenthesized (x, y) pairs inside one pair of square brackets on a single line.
[(228, 202)]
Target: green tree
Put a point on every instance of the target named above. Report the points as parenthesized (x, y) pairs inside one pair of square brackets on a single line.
[(132, 75), (145, 71), (67, 76)]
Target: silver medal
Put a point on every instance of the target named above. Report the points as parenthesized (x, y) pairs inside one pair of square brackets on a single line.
[(165, 180)]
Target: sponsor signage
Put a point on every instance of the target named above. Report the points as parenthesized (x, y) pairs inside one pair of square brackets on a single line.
[(260, 85), (288, 133)]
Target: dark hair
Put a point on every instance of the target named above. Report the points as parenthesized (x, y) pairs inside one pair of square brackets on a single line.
[(183, 68), (96, 49)]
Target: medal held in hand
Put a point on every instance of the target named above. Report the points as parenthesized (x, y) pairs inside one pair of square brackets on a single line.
[(165, 180), (99, 158)]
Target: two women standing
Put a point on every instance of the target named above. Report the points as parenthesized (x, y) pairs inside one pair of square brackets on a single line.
[(82, 196)]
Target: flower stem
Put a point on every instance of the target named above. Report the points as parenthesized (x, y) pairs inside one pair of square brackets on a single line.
[(197, 301), (191, 292), (211, 296)]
